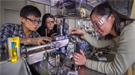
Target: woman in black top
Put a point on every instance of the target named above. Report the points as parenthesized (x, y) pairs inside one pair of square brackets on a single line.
[(47, 27)]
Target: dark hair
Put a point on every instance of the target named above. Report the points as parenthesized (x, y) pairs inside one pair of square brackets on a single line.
[(107, 9), (30, 10), (43, 25)]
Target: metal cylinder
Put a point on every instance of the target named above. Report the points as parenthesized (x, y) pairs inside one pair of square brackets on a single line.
[(61, 29), (46, 32), (35, 47)]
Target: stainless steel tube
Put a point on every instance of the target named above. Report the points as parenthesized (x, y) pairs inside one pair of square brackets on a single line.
[(61, 29), (37, 47)]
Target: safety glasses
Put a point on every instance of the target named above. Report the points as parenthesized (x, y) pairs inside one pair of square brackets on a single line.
[(50, 22), (100, 22)]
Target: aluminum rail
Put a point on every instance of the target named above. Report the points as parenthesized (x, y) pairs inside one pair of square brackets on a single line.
[(61, 42)]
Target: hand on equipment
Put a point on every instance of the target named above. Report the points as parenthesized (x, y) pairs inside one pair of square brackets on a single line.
[(80, 59), (77, 31), (39, 40)]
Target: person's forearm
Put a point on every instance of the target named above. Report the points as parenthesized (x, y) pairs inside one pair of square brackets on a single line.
[(97, 43), (83, 33), (25, 41)]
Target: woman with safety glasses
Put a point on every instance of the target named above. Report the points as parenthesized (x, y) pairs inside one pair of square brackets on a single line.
[(47, 27), (117, 29)]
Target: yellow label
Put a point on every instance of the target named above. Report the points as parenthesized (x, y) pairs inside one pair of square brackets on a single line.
[(16, 40), (14, 48)]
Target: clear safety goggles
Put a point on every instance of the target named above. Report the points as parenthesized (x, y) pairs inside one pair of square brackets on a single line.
[(100, 22)]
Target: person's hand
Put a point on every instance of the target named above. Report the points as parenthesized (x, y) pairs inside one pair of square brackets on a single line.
[(39, 40), (57, 21), (80, 59), (77, 31)]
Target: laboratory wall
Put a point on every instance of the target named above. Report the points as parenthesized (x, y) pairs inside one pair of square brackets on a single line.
[(10, 10)]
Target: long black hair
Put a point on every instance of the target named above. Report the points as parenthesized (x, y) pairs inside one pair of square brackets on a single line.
[(43, 25), (107, 9)]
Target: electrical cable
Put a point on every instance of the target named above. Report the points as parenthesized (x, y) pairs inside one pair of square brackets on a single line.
[(56, 45), (57, 42), (56, 52), (37, 68), (58, 34), (51, 64), (48, 61), (43, 60)]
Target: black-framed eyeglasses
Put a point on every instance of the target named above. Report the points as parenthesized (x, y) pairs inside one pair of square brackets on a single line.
[(34, 21), (50, 22)]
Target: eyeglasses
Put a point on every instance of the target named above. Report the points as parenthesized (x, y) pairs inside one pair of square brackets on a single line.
[(34, 21), (50, 22), (100, 22)]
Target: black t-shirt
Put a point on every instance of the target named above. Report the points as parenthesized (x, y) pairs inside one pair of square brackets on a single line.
[(41, 31)]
